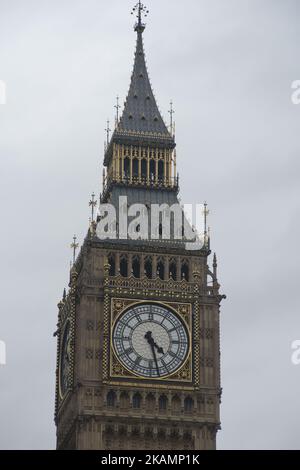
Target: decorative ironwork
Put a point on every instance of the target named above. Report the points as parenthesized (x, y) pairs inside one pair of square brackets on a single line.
[(140, 10)]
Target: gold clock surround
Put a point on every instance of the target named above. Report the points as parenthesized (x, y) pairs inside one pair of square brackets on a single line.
[(118, 371), (62, 339)]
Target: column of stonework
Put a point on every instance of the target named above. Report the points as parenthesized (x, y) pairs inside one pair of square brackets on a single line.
[(116, 152), (130, 399), (130, 159), (156, 166), (167, 267), (117, 265), (122, 162), (129, 265), (182, 402), (119, 170), (148, 166), (118, 393), (140, 164), (165, 166), (209, 350), (143, 401), (216, 357), (178, 269), (170, 167), (175, 168), (112, 165), (142, 266), (169, 407), (154, 266), (156, 401), (194, 439), (117, 162)]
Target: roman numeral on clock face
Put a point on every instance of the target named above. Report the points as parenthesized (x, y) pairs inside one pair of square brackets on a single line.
[(126, 352), (138, 360)]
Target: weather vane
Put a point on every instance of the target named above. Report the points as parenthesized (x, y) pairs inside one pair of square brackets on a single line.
[(117, 106), (74, 245), (93, 204), (139, 10), (107, 130)]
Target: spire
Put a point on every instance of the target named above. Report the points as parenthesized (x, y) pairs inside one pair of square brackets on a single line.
[(141, 121), (141, 113)]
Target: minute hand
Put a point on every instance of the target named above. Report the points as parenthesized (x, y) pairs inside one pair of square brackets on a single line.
[(148, 337)]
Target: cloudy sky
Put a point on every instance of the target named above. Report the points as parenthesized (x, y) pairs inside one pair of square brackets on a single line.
[(228, 65)]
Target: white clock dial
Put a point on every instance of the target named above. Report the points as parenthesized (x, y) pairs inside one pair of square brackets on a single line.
[(150, 340)]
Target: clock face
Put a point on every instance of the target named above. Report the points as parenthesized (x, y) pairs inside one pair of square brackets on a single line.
[(150, 340), (64, 361)]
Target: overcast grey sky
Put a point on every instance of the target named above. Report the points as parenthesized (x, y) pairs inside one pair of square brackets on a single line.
[(228, 65)]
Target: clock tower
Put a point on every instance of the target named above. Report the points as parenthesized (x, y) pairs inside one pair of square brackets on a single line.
[(138, 352)]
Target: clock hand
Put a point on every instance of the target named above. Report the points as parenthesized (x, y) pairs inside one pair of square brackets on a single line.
[(150, 340), (159, 349), (148, 337), (155, 359)]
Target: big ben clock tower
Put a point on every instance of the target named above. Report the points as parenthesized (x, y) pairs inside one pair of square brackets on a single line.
[(138, 353)]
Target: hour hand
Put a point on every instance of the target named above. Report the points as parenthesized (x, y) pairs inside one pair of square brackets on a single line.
[(152, 343), (148, 337)]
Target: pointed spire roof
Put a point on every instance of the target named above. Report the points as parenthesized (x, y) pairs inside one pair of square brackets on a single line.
[(141, 121), (141, 113)]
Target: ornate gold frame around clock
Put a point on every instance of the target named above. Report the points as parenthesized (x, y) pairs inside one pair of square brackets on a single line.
[(62, 337), (67, 309), (118, 371)]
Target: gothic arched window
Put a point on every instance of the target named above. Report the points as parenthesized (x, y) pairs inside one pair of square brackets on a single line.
[(160, 171), (111, 399), (126, 167), (144, 168), (161, 269), (135, 167), (152, 170), (136, 400), (112, 265), (124, 266), (148, 267), (185, 270), (188, 404), (162, 403), (173, 269), (136, 266)]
